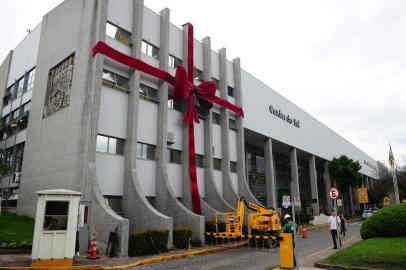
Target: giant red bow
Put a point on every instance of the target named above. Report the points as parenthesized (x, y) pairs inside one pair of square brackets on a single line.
[(184, 89)]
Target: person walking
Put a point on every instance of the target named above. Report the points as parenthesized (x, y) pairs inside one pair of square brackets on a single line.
[(289, 227), (343, 224), (334, 221)]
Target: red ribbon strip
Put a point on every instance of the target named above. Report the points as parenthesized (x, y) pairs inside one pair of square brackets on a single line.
[(184, 89)]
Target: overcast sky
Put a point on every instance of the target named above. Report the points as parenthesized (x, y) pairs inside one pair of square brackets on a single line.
[(344, 62)]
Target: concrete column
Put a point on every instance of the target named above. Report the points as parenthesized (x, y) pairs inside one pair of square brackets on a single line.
[(327, 185), (133, 195), (213, 197), (269, 174), (4, 71), (351, 199), (367, 182), (294, 184), (165, 200), (313, 186), (243, 189), (228, 191)]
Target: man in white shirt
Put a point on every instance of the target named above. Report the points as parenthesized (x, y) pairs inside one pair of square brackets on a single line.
[(334, 221)]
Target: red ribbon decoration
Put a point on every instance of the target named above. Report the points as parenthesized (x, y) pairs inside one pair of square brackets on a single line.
[(184, 89)]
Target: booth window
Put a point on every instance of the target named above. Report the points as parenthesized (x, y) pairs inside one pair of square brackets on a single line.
[(56, 216), (148, 93), (118, 33), (174, 62), (145, 151), (149, 49), (174, 156), (110, 145), (115, 80)]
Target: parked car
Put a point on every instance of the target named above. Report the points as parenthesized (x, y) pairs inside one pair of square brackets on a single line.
[(375, 209), (367, 213)]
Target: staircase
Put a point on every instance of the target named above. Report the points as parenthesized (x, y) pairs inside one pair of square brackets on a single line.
[(322, 219)]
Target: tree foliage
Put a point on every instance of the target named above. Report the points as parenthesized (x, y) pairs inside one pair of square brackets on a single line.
[(345, 172)]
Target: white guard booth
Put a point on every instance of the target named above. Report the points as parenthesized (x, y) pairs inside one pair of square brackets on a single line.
[(55, 228)]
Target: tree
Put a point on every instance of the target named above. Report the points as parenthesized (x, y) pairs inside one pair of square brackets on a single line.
[(4, 170), (345, 173)]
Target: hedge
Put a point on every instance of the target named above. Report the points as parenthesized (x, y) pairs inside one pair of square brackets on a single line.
[(181, 237), (389, 221), (148, 242)]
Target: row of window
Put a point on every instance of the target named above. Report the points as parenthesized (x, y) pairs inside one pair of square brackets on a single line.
[(16, 113), (151, 50), (24, 84)]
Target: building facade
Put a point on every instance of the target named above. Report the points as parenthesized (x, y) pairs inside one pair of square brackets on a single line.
[(93, 125)]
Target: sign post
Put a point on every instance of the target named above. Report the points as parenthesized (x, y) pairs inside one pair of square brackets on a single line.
[(363, 196), (334, 195)]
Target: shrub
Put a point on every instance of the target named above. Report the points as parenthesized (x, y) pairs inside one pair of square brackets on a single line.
[(181, 236), (148, 242), (389, 221)]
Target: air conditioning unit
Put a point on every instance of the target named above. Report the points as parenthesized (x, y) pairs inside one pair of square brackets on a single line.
[(171, 138)]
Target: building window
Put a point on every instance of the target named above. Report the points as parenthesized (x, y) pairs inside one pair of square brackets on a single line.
[(232, 124), (7, 95), (233, 166), (216, 118), (149, 49), (115, 203), (19, 89), (59, 86), (199, 160), (14, 114), (174, 61), (118, 33), (230, 91), (217, 164), (22, 123), (110, 145), (145, 151), (114, 80), (198, 74), (26, 107), (174, 156), (174, 105), (148, 93), (30, 80)]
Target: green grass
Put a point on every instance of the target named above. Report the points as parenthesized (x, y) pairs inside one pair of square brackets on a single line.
[(15, 229), (374, 253)]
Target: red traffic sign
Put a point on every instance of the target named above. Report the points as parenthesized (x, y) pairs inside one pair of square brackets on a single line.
[(334, 193)]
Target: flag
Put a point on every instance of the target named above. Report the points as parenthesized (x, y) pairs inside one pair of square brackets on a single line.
[(391, 158)]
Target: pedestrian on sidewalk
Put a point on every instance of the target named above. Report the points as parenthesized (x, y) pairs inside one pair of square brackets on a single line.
[(334, 221), (343, 225)]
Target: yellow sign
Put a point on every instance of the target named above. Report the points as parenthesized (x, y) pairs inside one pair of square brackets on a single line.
[(363, 195), (386, 200)]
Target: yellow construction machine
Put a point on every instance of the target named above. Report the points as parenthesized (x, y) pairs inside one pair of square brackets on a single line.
[(262, 222)]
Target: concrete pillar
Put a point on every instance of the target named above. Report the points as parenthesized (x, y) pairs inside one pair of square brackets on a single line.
[(243, 189), (213, 197), (228, 192), (269, 174), (4, 71), (327, 185), (351, 199), (313, 186), (294, 184), (367, 182)]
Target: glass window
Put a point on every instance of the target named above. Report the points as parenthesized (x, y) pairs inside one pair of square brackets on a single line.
[(199, 160), (120, 147), (26, 107), (232, 124), (16, 113), (20, 87), (216, 118), (174, 156), (102, 143), (149, 49), (198, 74), (145, 151), (217, 164), (112, 145), (148, 93), (115, 203), (30, 80), (118, 33), (56, 215), (174, 62), (233, 166), (115, 80), (230, 91)]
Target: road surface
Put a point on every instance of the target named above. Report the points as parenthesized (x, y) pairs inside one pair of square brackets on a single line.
[(309, 250)]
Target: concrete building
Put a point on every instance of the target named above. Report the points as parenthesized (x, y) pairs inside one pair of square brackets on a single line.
[(92, 125)]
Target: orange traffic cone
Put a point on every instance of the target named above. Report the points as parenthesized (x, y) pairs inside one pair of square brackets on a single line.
[(305, 232), (93, 249)]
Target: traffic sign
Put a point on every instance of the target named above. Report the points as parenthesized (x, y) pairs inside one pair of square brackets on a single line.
[(286, 201), (339, 202), (334, 193), (363, 195), (297, 201), (386, 200)]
